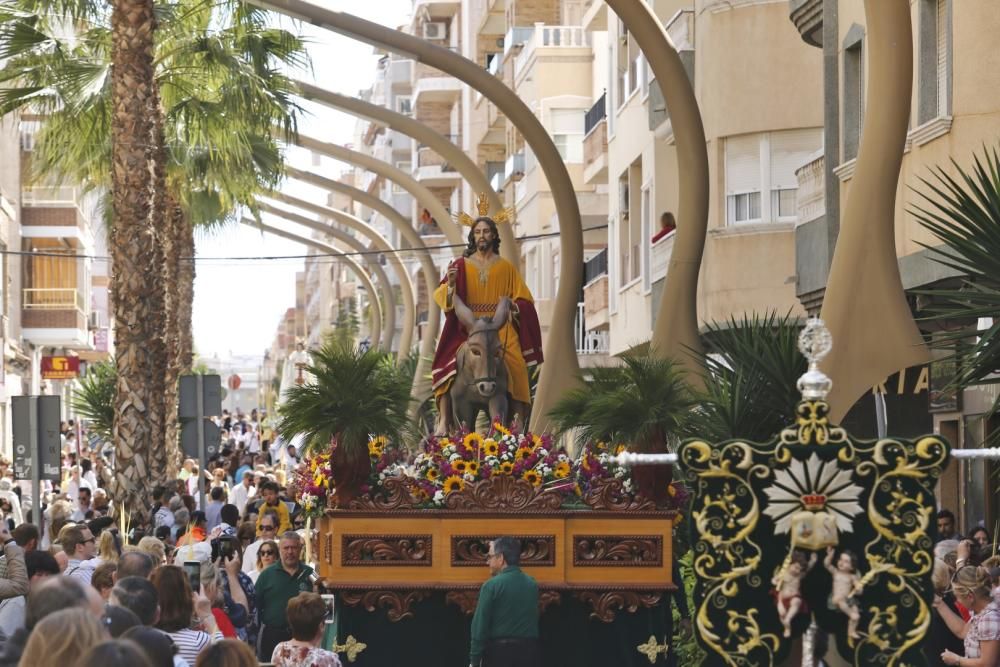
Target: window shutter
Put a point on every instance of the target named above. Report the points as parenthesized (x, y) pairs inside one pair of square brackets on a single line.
[(743, 163), (789, 151), (942, 57)]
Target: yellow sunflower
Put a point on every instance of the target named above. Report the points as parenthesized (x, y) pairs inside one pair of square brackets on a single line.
[(472, 441), (376, 446), (522, 453), (490, 447), (454, 483), (536, 440), (562, 469), (432, 473), (532, 476), (473, 467), (500, 427), (459, 466), (506, 467)]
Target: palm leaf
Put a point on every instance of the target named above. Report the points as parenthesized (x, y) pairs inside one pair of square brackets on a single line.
[(94, 398)]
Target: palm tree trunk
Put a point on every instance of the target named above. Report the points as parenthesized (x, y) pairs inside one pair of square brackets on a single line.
[(133, 252), (185, 295), (175, 220)]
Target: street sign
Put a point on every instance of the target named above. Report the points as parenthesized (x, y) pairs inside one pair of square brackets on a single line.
[(35, 425), (187, 407), (189, 439), (60, 368)]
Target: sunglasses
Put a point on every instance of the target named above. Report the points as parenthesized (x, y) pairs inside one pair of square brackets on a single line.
[(90, 539), (268, 552), (267, 528)]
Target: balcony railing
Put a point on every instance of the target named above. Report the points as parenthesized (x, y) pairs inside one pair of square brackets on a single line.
[(588, 342), (516, 37), (547, 36), (52, 298), (597, 113), (38, 196), (595, 267), (514, 167)]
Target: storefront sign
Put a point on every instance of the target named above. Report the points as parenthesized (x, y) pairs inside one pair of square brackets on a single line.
[(60, 368)]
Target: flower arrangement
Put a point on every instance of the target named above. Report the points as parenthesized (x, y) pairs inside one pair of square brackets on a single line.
[(599, 462), (313, 480), (446, 464)]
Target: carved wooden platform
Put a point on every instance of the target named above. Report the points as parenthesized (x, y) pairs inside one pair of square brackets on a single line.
[(388, 554)]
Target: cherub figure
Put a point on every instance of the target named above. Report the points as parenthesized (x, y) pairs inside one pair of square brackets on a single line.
[(788, 587), (846, 585)]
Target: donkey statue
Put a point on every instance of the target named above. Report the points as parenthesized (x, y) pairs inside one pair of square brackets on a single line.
[(480, 381)]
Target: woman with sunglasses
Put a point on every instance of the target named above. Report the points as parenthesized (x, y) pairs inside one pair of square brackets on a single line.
[(973, 588), (267, 555)]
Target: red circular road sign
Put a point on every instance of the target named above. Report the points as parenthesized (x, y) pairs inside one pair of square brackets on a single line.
[(234, 382)]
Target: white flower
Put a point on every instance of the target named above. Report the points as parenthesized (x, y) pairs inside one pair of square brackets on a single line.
[(828, 487), (454, 457), (469, 477), (439, 496), (563, 457), (543, 452)]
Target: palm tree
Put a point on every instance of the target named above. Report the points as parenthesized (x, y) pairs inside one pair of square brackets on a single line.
[(354, 395), (94, 400), (643, 403), (963, 213), (752, 365), (217, 69)]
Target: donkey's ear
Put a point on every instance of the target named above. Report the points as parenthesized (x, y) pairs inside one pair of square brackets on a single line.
[(503, 312), (464, 313)]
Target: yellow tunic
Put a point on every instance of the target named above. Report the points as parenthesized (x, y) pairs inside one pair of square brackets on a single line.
[(482, 295)]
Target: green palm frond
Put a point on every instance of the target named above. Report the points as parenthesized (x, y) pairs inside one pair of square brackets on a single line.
[(353, 395), (644, 400), (963, 212), (94, 399), (752, 365)]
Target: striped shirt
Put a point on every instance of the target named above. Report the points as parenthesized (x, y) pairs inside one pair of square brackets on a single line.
[(79, 569), (190, 642)]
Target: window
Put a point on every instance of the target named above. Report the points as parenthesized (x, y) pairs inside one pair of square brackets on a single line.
[(760, 174), (404, 104), (854, 91), (567, 133), (934, 60)]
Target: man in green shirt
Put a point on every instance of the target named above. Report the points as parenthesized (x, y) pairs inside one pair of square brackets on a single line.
[(505, 626), (276, 585)]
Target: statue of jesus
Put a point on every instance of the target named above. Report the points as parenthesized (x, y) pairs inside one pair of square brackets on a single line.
[(480, 279)]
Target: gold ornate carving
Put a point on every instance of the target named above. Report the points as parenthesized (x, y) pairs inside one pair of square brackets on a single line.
[(610, 495), (471, 550), (397, 493), (369, 551), (466, 601), (652, 649), (398, 604), (351, 648), (548, 598), (606, 604), (504, 493), (617, 550)]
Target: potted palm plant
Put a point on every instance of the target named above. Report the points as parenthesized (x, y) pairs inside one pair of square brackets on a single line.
[(643, 403), (354, 394)]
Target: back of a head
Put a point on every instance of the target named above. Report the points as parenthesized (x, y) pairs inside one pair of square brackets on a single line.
[(230, 514), (52, 595), (227, 653), (305, 613), (119, 619), (25, 533), (217, 493), (40, 562), (115, 653), (135, 564), (509, 548), (974, 580), (174, 591), (152, 547), (157, 646), (60, 638), (138, 595)]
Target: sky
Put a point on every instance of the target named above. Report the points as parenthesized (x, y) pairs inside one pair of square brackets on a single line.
[(238, 302)]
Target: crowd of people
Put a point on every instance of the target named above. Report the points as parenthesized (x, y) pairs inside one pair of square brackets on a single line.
[(222, 584)]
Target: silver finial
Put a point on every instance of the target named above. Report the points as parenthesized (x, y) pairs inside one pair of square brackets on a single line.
[(815, 342)]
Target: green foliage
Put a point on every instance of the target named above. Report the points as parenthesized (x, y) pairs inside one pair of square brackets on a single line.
[(347, 326), (354, 395), (686, 646), (644, 401), (752, 365), (963, 213), (95, 398)]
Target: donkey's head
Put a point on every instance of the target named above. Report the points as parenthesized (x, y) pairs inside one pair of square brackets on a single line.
[(483, 348)]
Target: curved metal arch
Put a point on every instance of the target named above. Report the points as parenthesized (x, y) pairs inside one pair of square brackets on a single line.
[(380, 243), (388, 315), (561, 371), (376, 314), (421, 380), (419, 191), (413, 128)]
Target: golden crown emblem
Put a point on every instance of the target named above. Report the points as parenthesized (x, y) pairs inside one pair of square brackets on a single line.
[(483, 211)]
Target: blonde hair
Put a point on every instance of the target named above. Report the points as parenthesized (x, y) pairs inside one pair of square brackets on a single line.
[(61, 637), (106, 547), (154, 547), (973, 580)]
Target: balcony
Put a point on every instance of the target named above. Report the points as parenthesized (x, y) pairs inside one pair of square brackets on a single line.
[(432, 169), (807, 15), (659, 257), (545, 37), (513, 168), (588, 341), (438, 9), (54, 317), (431, 85), (516, 37), (492, 19), (595, 290), (56, 213), (595, 144), (399, 75), (810, 198)]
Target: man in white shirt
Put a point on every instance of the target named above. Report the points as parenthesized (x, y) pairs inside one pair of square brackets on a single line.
[(79, 545), (243, 492), (83, 503)]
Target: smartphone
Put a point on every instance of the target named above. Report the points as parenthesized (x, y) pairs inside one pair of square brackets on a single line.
[(193, 570), (328, 599)]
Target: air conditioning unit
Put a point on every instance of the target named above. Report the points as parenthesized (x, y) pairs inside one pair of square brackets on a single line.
[(95, 319), (436, 30)]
